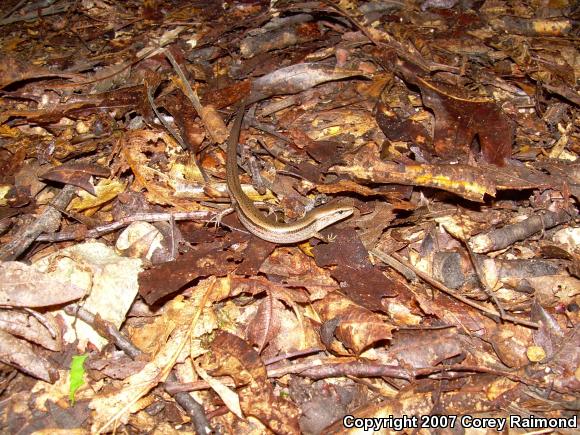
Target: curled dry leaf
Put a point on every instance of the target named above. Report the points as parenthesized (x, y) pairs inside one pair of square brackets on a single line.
[(296, 31), (20, 354), (356, 327), (229, 398), (214, 124), (551, 290), (139, 148), (77, 174), (105, 191), (13, 69), (266, 323), (231, 356), (279, 329), (28, 327), (423, 348), (296, 78), (139, 240)]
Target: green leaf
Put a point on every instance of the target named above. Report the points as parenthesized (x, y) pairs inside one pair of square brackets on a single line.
[(77, 374)]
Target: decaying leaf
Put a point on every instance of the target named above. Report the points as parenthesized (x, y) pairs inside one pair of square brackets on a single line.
[(184, 321), (110, 281), (459, 120), (77, 174), (42, 330), (105, 191), (20, 354), (355, 327), (233, 357), (296, 78), (25, 286)]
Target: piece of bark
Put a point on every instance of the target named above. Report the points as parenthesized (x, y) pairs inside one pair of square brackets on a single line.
[(508, 235)]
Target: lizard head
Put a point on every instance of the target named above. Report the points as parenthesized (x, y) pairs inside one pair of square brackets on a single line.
[(330, 214)]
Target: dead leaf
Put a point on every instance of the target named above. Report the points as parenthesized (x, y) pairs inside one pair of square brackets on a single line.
[(356, 327), (25, 286), (77, 174), (233, 357)]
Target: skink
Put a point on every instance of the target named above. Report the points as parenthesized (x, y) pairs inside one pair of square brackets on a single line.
[(264, 226)]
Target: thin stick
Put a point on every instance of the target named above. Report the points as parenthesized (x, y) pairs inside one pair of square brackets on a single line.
[(440, 286)]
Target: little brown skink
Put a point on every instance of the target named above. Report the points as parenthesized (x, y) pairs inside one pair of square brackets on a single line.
[(263, 226)]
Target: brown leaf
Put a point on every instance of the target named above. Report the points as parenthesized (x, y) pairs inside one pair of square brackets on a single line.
[(10, 163), (466, 181), (295, 268), (231, 356), (259, 284), (424, 348), (77, 174), (408, 130), (510, 343), (356, 327), (23, 286), (20, 354), (365, 284), (23, 324), (130, 96), (203, 260), (453, 312), (13, 69), (183, 113), (459, 119), (266, 323), (214, 124), (279, 38)]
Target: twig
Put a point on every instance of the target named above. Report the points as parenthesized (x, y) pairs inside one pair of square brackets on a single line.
[(482, 281), (113, 226), (192, 407), (162, 119), (14, 8), (105, 329), (50, 325), (427, 371), (267, 317), (398, 266), (152, 51), (50, 218), (319, 370), (296, 353), (353, 20), (52, 10), (440, 286), (194, 99), (189, 92)]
